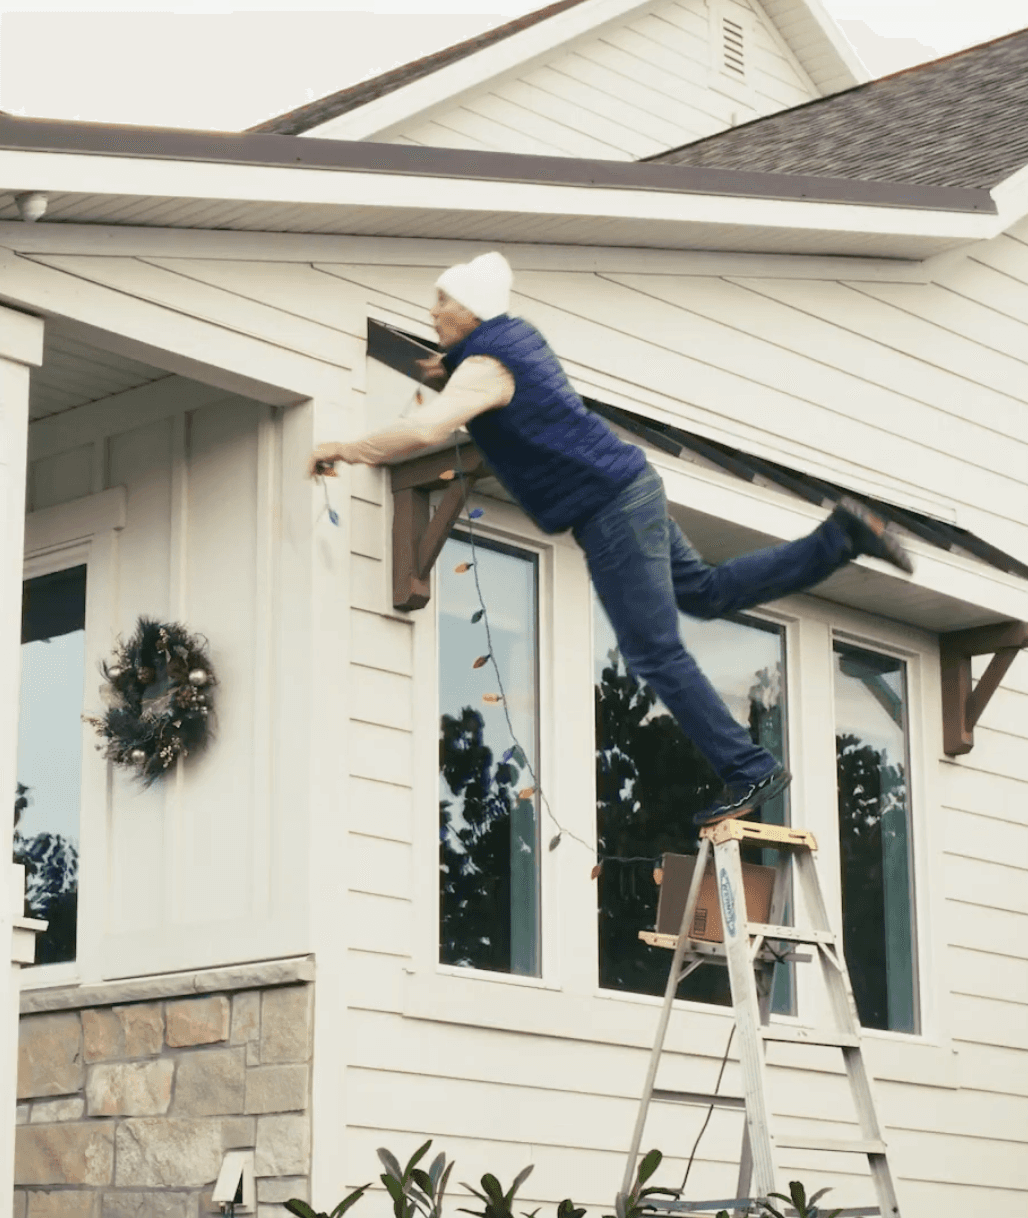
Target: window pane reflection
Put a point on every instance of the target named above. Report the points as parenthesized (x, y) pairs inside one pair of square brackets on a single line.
[(650, 779), (46, 837), (874, 832), (489, 831)]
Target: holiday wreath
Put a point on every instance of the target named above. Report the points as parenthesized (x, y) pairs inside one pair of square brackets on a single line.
[(159, 702)]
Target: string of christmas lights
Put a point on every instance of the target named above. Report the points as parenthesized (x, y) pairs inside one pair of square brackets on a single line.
[(482, 615)]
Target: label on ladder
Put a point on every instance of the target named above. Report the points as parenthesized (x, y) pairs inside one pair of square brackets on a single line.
[(728, 903)]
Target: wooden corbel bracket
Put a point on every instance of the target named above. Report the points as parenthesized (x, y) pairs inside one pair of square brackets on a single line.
[(962, 705), (419, 535)]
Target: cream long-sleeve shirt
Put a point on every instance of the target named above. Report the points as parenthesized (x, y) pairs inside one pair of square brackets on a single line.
[(478, 384)]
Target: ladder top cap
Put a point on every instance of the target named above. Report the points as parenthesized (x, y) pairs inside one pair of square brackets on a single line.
[(752, 831)]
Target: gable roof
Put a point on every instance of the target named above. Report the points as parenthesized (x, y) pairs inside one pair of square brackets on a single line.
[(813, 36), (314, 113), (957, 121)]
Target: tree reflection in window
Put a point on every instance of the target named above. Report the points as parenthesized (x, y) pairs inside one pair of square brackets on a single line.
[(488, 822), (874, 836), (46, 833), (651, 779)]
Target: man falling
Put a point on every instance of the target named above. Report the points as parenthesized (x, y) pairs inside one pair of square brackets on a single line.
[(568, 470)]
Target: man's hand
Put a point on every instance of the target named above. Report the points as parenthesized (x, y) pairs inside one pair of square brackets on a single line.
[(433, 372), (326, 455)]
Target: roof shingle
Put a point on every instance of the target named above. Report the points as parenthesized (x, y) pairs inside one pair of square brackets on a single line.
[(957, 121), (314, 113)]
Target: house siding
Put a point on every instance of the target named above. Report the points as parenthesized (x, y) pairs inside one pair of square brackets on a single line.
[(630, 90), (778, 366), (840, 379), (197, 508), (862, 382), (186, 878)]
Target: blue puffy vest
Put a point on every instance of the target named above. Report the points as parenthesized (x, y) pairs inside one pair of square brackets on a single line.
[(560, 461)]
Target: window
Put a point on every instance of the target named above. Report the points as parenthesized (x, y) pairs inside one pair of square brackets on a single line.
[(871, 746), (46, 837), (489, 901), (650, 779)]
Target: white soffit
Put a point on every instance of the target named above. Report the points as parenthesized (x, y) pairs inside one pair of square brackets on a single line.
[(172, 194)]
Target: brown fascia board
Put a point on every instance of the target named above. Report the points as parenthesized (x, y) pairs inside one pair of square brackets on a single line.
[(358, 156)]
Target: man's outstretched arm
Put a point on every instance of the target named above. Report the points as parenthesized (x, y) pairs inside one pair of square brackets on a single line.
[(480, 383)]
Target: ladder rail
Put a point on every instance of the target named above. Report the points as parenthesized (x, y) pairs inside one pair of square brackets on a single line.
[(752, 979), (780, 894), (674, 979), (747, 1009), (840, 990)]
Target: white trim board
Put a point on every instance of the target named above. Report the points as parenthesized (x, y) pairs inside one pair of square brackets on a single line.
[(262, 974), (74, 521), (165, 337), (21, 338), (127, 241)]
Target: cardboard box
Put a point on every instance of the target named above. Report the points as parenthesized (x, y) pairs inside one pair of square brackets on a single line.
[(758, 884)]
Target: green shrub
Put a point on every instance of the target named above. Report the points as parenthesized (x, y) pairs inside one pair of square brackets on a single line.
[(798, 1197), (417, 1193)]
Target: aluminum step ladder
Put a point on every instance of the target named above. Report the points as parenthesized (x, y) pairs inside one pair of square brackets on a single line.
[(748, 951)]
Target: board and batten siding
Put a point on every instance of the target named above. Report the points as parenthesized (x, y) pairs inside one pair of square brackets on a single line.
[(188, 873), (629, 90), (185, 878)]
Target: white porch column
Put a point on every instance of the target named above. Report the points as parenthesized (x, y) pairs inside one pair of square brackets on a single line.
[(21, 347)]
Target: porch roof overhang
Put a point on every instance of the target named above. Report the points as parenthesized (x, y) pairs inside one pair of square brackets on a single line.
[(170, 178)]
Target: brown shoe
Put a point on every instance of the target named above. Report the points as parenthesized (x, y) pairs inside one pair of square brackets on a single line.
[(870, 534)]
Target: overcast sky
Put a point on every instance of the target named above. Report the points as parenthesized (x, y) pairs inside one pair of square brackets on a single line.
[(203, 64)]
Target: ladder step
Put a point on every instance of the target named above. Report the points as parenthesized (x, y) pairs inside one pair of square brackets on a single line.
[(699, 1097), (794, 934), (862, 1146), (809, 1036), (661, 1206), (745, 1204)]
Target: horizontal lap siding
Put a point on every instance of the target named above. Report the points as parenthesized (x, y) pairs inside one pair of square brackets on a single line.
[(771, 365), (815, 373), (630, 90), (986, 878), (809, 373)]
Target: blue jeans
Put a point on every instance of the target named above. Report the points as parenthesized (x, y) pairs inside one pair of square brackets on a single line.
[(644, 570)]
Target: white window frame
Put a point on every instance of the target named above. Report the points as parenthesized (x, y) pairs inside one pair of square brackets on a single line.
[(82, 532), (823, 624), (790, 624), (567, 1001), (557, 573)]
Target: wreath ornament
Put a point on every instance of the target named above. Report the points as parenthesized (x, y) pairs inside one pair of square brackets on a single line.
[(158, 691)]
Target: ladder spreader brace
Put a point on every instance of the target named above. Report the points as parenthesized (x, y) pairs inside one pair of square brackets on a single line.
[(748, 955)]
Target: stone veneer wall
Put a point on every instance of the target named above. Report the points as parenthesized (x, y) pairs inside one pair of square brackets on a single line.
[(126, 1110)]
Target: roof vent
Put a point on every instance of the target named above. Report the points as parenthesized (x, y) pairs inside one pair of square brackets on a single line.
[(733, 49)]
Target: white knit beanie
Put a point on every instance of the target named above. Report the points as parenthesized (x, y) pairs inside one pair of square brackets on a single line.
[(481, 285)]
